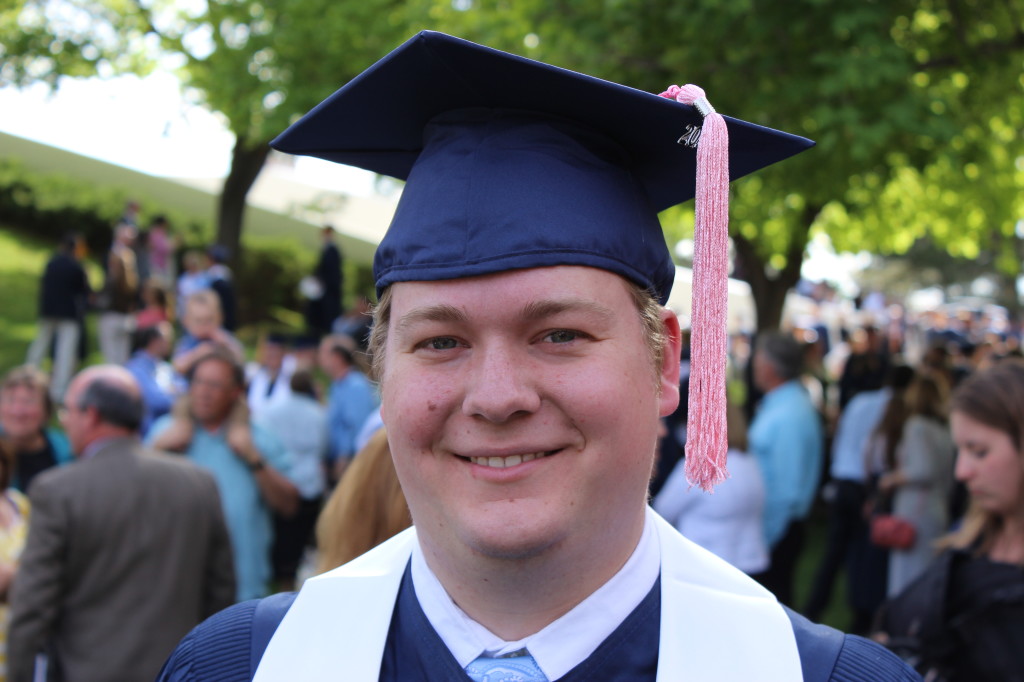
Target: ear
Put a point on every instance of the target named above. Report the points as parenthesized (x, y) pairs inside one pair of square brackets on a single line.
[(92, 416), (668, 376)]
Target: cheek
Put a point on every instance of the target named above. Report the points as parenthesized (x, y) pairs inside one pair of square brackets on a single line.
[(1009, 478), (415, 407)]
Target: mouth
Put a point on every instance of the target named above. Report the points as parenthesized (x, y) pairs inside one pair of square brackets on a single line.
[(509, 460)]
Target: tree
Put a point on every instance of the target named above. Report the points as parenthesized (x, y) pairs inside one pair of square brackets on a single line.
[(260, 65), (889, 90)]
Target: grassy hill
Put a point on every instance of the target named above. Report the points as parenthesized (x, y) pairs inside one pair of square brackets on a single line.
[(195, 203)]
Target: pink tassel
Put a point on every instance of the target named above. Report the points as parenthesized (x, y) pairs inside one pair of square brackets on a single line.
[(706, 431)]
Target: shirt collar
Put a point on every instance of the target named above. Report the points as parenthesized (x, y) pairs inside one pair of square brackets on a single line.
[(564, 643), (97, 445)]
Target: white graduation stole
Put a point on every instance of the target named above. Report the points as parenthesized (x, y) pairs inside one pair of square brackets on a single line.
[(717, 625)]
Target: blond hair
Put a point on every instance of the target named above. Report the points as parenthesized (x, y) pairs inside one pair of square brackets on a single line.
[(366, 508)]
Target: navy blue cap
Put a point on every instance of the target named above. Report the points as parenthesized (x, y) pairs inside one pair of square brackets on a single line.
[(511, 163)]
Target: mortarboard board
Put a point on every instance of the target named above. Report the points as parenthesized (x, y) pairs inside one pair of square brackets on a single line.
[(512, 163), (378, 121)]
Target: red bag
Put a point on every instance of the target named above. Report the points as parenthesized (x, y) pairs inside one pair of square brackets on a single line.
[(892, 532)]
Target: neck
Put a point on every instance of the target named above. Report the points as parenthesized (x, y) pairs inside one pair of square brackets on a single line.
[(1008, 546), (105, 432), (212, 425), (515, 598), (29, 442)]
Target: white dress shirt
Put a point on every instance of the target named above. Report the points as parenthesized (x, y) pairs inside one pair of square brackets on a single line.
[(563, 644)]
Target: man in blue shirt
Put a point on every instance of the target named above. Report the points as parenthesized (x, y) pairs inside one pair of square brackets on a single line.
[(786, 438), (350, 401), (248, 463)]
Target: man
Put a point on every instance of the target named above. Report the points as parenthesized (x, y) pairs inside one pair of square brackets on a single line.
[(350, 401), (63, 294), (525, 359), (153, 372), (127, 548), (213, 429), (786, 438), (119, 297), (866, 366), (220, 279), (269, 383), (324, 309)]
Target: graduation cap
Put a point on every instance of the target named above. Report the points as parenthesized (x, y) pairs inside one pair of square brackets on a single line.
[(512, 163)]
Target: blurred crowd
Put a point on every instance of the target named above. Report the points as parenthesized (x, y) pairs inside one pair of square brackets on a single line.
[(850, 414), (886, 427)]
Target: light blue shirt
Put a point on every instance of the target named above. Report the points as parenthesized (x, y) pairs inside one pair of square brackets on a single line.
[(300, 423), (859, 419), (247, 515), (351, 400), (155, 378), (786, 437)]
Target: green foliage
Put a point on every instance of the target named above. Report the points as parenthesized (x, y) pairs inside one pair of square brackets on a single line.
[(267, 282), (49, 205), (915, 106), (43, 40)]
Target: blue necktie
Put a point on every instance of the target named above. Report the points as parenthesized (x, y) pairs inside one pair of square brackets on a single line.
[(518, 666)]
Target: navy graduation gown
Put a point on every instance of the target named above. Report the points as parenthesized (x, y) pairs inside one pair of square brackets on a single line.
[(416, 653), (227, 647)]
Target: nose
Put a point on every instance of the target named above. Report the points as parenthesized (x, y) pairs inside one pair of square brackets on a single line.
[(500, 386), (964, 468)]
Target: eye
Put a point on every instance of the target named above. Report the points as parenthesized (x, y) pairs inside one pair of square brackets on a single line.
[(440, 343), (974, 451), (563, 336)]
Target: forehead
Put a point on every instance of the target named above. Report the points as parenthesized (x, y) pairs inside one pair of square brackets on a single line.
[(200, 309), (515, 292), (963, 424), (214, 368), (21, 390)]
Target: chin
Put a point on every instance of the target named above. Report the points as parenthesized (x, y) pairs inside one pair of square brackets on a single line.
[(514, 550), (508, 542)]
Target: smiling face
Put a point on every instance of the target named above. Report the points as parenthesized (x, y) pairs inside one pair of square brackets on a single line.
[(988, 464), (213, 392), (22, 411), (522, 410)]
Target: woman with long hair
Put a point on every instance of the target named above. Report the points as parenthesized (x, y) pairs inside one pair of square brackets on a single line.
[(922, 481), (963, 619)]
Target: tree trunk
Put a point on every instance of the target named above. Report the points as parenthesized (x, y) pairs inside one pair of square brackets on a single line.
[(246, 163), (770, 292)]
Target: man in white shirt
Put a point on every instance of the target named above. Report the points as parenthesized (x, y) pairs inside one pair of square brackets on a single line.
[(524, 358)]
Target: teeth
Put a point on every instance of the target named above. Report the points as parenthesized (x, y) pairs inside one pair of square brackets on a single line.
[(503, 462)]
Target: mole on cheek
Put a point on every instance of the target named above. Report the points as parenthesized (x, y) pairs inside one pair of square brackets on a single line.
[(431, 406)]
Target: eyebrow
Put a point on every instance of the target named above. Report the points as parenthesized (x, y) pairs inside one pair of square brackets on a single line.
[(435, 313), (536, 310), (539, 310)]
